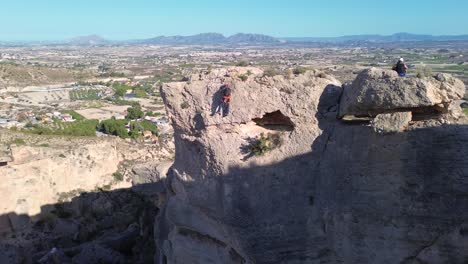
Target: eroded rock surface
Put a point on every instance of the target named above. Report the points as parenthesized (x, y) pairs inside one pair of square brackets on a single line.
[(329, 192)]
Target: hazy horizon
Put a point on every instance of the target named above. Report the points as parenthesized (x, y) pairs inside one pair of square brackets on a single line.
[(53, 20)]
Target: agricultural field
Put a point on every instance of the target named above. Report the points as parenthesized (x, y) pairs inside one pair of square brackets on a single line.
[(77, 128), (85, 95)]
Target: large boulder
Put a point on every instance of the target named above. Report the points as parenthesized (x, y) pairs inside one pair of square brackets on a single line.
[(377, 91)]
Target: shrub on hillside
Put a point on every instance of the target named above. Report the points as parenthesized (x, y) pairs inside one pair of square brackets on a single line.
[(299, 70), (243, 77), (423, 72), (134, 113), (242, 63), (270, 72)]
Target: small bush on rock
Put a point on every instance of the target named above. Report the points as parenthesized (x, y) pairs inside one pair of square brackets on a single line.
[(265, 143), (299, 70), (270, 72), (184, 105), (242, 63), (424, 72), (118, 176)]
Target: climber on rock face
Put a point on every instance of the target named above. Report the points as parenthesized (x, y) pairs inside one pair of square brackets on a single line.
[(401, 68), (224, 105), (226, 100)]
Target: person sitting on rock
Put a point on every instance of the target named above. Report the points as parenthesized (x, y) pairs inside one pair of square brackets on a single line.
[(401, 68)]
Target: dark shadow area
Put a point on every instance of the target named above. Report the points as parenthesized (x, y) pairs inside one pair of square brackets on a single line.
[(95, 227), (357, 195), (275, 121)]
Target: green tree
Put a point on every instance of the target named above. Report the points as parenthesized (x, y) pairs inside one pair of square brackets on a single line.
[(134, 113), (114, 127)]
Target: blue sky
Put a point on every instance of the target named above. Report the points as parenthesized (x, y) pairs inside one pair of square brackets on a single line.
[(119, 19)]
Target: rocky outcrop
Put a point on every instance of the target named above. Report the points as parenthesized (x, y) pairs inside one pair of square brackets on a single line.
[(281, 180), (378, 91)]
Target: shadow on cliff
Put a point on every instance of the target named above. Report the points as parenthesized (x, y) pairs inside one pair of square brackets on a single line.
[(94, 227), (356, 197)]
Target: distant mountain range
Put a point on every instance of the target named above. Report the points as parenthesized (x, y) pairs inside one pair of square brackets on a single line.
[(398, 37), (211, 38), (248, 39), (199, 39)]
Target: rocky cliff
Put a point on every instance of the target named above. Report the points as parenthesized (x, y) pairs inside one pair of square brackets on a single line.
[(283, 180)]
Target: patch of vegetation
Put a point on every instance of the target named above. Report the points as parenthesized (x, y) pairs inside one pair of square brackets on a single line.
[(44, 145), (82, 128), (150, 113), (242, 63), (84, 95), (134, 130), (134, 113), (184, 105), (424, 72), (114, 127), (270, 72), (463, 68), (140, 92), (265, 143), (18, 142), (74, 114), (66, 196), (299, 70), (243, 77), (62, 156), (465, 110), (121, 89), (145, 125), (118, 176)]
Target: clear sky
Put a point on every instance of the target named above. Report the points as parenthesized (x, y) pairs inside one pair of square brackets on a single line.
[(130, 19)]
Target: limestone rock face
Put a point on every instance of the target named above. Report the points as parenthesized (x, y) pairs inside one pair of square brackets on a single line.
[(45, 173), (391, 123), (326, 192), (377, 90)]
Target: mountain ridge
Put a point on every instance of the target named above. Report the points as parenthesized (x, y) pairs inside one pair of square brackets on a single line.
[(397, 37), (213, 38)]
